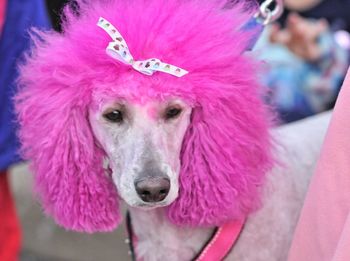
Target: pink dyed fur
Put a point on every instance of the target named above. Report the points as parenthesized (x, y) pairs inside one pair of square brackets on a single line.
[(227, 149)]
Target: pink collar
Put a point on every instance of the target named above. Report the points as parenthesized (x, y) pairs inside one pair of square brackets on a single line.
[(217, 247), (221, 243)]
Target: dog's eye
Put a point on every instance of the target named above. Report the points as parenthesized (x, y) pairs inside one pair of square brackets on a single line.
[(172, 113), (114, 116)]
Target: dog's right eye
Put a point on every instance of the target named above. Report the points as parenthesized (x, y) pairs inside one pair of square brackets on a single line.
[(114, 116), (172, 113)]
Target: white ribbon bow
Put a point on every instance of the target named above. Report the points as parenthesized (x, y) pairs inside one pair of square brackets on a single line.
[(118, 49)]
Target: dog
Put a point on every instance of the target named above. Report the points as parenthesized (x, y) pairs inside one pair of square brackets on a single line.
[(168, 119)]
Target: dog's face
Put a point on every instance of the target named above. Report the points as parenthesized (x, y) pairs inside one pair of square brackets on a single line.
[(71, 119), (143, 144)]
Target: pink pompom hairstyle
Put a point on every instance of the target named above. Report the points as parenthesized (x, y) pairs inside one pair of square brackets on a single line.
[(227, 149)]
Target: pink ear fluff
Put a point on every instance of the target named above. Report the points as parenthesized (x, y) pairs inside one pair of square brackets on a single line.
[(225, 157), (69, 178)]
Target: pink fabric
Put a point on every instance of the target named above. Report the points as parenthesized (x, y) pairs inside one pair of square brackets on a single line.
[(2, 13), (323, 232), (223, 241)]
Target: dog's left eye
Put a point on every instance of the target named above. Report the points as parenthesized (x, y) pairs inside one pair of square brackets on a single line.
[(114, 116), (172, 113)]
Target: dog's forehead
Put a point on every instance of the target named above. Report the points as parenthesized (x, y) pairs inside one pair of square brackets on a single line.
[(149, 107)]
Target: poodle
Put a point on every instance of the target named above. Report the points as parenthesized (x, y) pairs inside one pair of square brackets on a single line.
[(156, 103)]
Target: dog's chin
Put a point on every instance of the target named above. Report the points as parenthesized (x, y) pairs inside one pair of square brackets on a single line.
[(149, 206), (146, 207)]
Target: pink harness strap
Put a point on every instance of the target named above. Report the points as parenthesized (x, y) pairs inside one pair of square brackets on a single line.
[(222, 242), (218, 247)]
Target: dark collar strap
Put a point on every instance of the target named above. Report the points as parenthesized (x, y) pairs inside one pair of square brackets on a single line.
[(130, 237)]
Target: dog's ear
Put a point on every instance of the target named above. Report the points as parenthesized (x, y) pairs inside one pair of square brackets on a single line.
[(225, 156), (68, 166)]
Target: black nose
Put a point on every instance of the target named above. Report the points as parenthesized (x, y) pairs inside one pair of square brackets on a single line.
[(153, 189)]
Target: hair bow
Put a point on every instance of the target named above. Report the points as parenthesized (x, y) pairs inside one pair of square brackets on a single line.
[(118, 49)]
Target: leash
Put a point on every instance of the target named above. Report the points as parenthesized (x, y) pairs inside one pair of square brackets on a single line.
[(268, 12)]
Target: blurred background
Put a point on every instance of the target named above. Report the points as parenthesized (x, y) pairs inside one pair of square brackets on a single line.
[(26, 234), (306, 54), (43, 240)]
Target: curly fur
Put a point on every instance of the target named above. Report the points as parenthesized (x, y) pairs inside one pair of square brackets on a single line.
[(227, 148)]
